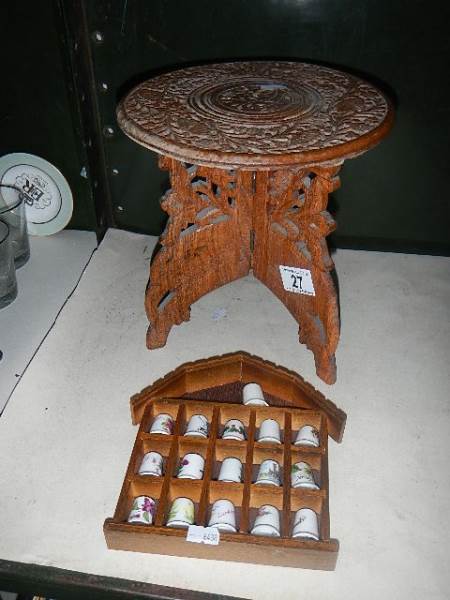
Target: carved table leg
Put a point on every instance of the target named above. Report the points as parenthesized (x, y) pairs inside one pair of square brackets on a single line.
[(206, 242), (222, 223), (291, 232)]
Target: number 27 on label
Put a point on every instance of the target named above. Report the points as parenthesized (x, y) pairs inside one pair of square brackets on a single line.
[(296, 280)]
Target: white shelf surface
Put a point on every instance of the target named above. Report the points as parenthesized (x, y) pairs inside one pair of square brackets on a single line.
[(66, 434), (44, 283)]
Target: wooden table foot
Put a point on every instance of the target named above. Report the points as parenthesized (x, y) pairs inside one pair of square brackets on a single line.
[(159, 329)]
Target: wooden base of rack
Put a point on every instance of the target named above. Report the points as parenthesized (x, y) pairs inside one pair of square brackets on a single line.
[(233, 547)]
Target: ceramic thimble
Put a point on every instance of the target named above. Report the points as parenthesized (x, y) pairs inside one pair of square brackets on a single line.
[(234, 430), (252, 394), (162, 423), (307, 436), (230, 470), (223, 516), (191, 466), (306, 525), (181, 513), (269, 473), (267, 521), (142, 510), (269, 431), (197, 426), (303, 476), (152, 464)]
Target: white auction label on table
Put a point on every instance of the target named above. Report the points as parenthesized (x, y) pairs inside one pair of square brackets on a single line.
[(203, 535), (298, 281)]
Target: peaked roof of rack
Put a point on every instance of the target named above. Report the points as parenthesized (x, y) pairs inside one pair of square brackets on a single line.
[(216, 377)]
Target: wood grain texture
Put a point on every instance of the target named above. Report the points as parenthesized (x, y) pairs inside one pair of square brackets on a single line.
[(253, 150), (222, 378), (247, 497), (224, 224), (206, 243), (258, 114)]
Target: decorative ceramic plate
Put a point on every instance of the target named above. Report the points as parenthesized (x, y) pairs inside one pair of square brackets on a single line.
[(47, 195)]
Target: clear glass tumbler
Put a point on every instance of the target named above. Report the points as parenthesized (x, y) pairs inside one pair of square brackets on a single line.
[(12, 212), (8, 283)]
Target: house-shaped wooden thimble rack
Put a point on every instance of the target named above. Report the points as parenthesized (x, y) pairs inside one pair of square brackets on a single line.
[(213, 387)]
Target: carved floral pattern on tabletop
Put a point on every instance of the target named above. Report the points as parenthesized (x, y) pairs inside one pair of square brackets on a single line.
[(253, 108)]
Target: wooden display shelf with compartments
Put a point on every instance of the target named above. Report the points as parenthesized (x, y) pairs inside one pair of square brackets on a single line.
[(247, 496)]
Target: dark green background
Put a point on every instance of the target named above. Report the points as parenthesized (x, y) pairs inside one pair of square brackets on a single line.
[(392, 198), (38, 103)]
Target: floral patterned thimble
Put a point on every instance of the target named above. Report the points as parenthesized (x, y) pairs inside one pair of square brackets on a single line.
[(197, 426), (269, 472), (307, 436), (142, 511), (253, 395), (230, 470), (306, 525), (269, 431), (303, 476), (162, 423), (181, 513), (152, 464), (191, 466), (234, 430), (223, 516), (267, 521)]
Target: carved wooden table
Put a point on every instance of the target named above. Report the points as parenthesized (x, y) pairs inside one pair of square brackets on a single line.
[(253, 150)]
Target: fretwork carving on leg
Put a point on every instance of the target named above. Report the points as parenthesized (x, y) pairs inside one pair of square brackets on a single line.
[(291, 231), (204, 246)]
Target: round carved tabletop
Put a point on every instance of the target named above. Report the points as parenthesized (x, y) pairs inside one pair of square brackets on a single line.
[(256, 114)]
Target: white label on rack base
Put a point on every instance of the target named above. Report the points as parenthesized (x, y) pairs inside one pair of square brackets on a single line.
[(298, 281), (203, 535)]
